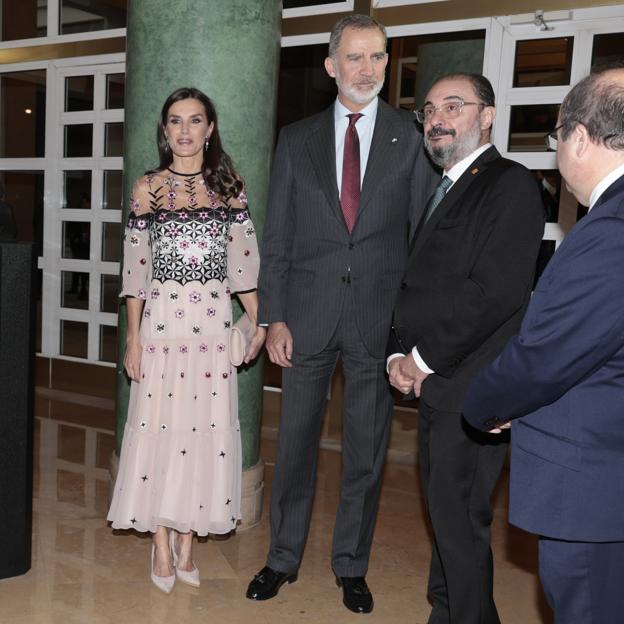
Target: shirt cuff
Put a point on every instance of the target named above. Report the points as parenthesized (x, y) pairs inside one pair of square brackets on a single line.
[(421, 363), (394, 356)]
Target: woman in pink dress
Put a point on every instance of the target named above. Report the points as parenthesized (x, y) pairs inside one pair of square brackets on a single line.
[(189, 245)]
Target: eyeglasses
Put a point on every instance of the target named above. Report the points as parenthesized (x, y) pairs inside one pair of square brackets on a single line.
[(448, 110), (551, 138)]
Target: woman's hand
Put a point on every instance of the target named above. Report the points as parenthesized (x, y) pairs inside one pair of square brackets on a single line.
[(132, 360), (255, 345)]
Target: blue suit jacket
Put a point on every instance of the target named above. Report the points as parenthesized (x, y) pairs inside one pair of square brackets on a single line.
[(563, 378)]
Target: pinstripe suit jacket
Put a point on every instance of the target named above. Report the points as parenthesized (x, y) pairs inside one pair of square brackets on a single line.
[(308, 257)]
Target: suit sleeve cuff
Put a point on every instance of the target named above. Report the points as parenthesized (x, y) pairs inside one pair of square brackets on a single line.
[(421, 363)]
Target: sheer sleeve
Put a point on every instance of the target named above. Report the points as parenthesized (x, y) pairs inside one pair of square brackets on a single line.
[(137, 252), (243, 258)]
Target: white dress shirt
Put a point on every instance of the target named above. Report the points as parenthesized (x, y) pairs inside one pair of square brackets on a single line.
[(454, 173), (604, 184), (364, 127)]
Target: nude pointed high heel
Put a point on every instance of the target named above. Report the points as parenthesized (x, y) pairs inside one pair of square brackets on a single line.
[(164, 583), (189, 577)]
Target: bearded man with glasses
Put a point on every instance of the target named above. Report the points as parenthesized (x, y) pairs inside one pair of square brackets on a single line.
[(467, 284)]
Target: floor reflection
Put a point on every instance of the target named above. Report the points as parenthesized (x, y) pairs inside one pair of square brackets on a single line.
[(83, 573)]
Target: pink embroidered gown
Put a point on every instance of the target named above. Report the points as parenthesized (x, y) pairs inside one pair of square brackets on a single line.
[(185, 252)]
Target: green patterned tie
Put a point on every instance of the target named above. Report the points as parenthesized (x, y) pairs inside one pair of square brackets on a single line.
[(437, 196)]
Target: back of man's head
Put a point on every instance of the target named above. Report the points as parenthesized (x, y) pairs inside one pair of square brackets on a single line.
[(597, 102)]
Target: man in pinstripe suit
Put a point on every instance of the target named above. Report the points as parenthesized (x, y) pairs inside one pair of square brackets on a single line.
[(328, 281)]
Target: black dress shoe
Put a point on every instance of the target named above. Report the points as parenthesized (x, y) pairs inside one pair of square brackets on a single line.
[(267, 583), (355, 594)]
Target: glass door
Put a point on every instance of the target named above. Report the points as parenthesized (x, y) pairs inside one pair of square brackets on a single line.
[(82, 226)]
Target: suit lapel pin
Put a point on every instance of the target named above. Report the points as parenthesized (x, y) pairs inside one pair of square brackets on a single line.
[(394, 139), (475, 171)]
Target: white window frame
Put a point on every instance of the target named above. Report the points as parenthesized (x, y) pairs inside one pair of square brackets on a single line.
[(52, 165), (320, 9), (404, 61), (53, 262), (582, 25)]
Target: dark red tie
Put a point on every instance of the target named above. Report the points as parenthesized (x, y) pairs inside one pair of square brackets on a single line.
[(350, 192)]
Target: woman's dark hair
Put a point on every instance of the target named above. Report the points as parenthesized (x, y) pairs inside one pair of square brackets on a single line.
[(217, 167)]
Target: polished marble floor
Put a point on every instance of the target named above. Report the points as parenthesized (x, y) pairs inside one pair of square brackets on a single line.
[(83, 573)]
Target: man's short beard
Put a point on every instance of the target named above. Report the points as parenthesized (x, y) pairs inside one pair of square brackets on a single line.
[(357, 96), (446, 156)]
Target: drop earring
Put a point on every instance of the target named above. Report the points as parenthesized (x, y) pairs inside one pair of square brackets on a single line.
[(207, 144)]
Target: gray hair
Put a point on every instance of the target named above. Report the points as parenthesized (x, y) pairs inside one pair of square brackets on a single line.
[(358, 22), (597, 102)]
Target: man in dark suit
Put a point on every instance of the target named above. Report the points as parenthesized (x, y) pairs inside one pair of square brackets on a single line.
[(467, 283), (562, 377), (345, 185)]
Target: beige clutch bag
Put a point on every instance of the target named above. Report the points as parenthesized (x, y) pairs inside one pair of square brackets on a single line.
[(241, 335)]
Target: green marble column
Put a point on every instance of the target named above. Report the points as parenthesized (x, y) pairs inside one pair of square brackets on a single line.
[(230, 50)]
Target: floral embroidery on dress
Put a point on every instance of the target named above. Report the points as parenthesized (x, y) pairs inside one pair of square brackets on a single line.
[(188, 244), (192, 246)]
